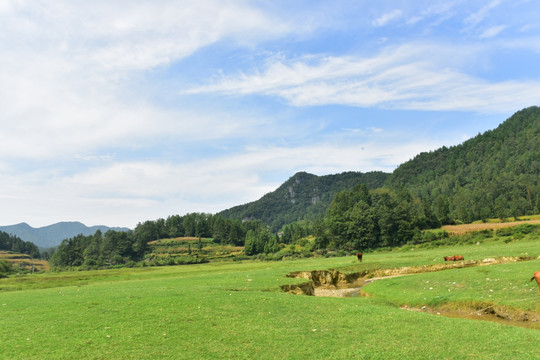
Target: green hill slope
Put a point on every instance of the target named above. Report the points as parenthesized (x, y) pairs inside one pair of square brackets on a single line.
[(495, 174), (303, 197)]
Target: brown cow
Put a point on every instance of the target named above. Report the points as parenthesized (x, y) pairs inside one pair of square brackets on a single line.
[(536, 276), (359, 256), (453, 258)]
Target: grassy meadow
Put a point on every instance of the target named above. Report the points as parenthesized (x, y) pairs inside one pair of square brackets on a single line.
[(236, 310)]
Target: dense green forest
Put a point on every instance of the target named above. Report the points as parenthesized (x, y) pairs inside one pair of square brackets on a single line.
[(359, 219), (495, 174), (302, 197), (13, 243), (123, 247)]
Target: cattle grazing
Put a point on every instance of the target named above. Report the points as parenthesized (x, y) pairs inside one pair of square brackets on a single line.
[(453, 258), (359, 256), (536, 276)]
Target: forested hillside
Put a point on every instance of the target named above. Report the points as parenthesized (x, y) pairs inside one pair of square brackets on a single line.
[(303, 197), (122, 247), (495, 174), (10, 242)]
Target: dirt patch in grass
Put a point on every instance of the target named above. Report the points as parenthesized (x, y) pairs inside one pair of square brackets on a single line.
[(333, 283), (484, 312)]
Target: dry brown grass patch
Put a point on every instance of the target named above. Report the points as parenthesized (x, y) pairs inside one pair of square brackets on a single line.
[(467, 228)]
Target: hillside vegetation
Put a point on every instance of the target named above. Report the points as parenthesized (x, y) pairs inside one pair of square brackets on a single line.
[(13, 243), (302, 197), (495, 174)]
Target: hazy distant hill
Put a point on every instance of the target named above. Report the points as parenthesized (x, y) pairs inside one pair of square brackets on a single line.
[(52, 235), (303, 196)]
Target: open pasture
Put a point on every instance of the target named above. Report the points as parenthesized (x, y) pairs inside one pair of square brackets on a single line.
[(237, 310)]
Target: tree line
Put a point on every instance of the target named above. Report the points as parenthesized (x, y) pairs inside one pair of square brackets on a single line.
[(357, 220), (123, 247), (303, 197), (13, 243)]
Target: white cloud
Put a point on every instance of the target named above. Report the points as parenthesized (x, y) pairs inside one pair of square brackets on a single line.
[(492, 31), (69, 71), (375, 129), (386, 18), (435, 12), (479, 16), (409, 77)]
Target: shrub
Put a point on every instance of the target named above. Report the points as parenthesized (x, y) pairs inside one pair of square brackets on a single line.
[(5, 268), (504, 232)]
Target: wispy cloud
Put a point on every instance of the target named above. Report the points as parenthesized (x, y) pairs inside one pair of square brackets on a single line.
[(435, 13), (375, 129), (408, 77), (492, 31), (76, 80), (479, 16), (386, 18)]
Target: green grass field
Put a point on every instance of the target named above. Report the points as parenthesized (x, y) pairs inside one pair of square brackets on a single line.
[(234, 310)]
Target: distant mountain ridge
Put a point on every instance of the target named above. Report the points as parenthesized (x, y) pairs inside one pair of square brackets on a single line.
[(52, 235), (303, 196)]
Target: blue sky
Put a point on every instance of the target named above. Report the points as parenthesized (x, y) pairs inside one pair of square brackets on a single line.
[(117, 112)]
